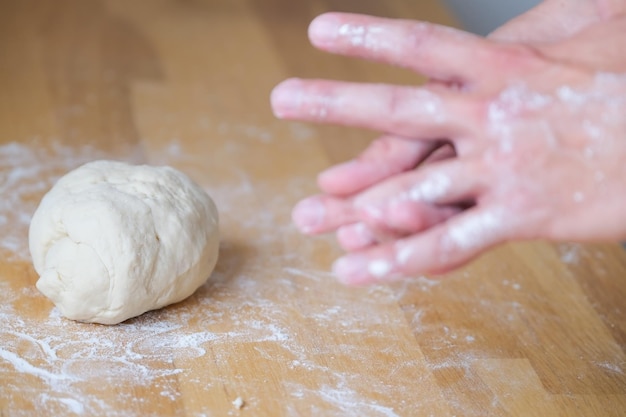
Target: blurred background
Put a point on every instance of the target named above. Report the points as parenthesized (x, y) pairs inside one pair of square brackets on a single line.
[(482, 16)]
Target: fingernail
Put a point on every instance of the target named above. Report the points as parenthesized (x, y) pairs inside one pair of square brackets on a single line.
[(309, 214), (323, 29), (285, 97), (352, 270)]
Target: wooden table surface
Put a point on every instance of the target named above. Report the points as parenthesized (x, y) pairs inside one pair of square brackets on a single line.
[(528, 330)]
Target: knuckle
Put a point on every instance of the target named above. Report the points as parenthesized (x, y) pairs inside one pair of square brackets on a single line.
[(395, 100), (419, 34), (406, 217), (407, 108)]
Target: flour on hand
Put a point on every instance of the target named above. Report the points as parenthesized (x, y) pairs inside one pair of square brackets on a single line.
[(111, 241)]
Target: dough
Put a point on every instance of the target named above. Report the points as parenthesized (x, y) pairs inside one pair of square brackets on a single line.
[(111, 241)]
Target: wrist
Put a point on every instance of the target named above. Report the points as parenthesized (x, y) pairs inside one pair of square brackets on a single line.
[(607, 9)]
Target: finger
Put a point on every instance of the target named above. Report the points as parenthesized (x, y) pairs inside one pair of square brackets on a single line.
[(435, 51), (405, 111), (404, 219), (408, 217), (322, 213), (358, 236), (437, 250), (355, 236), (383, 158), (447, 182)]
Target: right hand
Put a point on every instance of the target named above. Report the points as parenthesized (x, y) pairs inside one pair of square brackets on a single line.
[(391, 155)]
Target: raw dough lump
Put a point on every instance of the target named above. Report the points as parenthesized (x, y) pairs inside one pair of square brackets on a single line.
[(111, 241)]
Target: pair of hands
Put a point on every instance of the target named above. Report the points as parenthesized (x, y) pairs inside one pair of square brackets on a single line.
[(510, 140)]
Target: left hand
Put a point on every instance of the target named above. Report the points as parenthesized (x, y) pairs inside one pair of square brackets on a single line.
[(527, 161)]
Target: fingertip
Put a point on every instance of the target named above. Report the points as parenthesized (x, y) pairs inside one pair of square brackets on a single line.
[(323, 29), (351, 270), (337, 180), (308, 215), (285, 97), (325, 182)]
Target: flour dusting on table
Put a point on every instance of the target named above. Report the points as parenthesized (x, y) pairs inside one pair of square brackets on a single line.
[(331, 352), (249, 301), (26, 173)]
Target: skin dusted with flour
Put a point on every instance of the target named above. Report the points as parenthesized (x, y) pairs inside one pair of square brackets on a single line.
[(537, 131), (111, 241)]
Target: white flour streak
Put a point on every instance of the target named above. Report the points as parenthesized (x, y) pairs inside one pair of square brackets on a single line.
[(341, 401), (313, 275), (431, 189), (23, 366), (356, 34), (427, 104), (350, 402), (475, 230), (250, 300), (379, 268), (515, 100), (26, 173), (611, 367), (363, 36), (569, 253), (71, 405)]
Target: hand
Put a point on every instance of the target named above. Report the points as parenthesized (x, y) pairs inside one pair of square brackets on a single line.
[(390, 155), (522, 123)]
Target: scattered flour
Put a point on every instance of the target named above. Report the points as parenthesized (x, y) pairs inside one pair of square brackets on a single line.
[(431, 189), (26, 173), (569, 253), (238, 403), (59, 366), (619, 369)]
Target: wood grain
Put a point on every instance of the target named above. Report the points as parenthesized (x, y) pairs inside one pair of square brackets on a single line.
[(529, 329)]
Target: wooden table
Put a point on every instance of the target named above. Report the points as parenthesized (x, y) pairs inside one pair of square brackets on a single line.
[(528, 330)]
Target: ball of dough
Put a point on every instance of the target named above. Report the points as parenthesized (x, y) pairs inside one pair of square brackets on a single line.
[(111, 241)]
